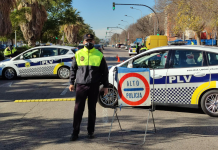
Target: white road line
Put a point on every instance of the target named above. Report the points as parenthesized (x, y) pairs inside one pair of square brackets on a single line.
[(105, 116), (65, 90), (66, 83), (6, 84)]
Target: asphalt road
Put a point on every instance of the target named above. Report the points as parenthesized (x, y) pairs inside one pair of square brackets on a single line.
[(48, 125)]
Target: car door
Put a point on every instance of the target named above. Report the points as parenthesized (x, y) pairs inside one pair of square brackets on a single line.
[(157, 62), (49, 59), (187, 71), (28, 64)]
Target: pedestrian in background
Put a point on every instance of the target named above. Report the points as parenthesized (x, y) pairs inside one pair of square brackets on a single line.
[(89, 68), (9, 52), (137, 48), (144, 48)]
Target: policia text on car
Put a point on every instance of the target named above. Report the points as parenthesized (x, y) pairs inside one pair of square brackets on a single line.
[(89, 68)]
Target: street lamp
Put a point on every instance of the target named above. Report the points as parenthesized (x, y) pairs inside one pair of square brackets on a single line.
[(137, 9), (125, 21), (121, 25), (131, 17)]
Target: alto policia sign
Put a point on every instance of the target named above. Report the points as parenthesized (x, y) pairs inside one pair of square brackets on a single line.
[(134, 87)]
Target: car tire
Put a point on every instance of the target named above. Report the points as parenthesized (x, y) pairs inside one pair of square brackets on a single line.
[(64, 72), (208, 105), (9, 73), (108, 101)]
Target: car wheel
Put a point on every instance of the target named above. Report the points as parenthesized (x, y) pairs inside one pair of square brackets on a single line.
[(64, 73), (9, 74), (209, 103), (129, 54), (110, 99)]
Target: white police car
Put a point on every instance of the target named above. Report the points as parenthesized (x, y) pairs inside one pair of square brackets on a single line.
[(184, 76), (132, 49), (39, 61)]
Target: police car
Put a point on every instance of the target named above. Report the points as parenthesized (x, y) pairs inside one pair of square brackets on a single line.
[(132, 50), (39, 61), (183, 76)]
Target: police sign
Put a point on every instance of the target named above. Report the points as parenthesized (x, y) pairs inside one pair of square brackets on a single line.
[(134, 87)]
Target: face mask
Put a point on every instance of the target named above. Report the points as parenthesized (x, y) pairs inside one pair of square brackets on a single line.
[(89, 45)]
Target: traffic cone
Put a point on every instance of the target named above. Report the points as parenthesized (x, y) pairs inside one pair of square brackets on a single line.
[(118, 59)]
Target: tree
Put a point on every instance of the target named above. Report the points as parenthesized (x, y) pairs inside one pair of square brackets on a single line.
[(35, 20), (5, 8), (191, 16)]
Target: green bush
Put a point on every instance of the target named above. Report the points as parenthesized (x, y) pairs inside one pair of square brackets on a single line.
[(22, 49), (73, 45)]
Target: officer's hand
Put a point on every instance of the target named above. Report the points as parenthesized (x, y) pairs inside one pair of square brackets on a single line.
[(71, 88), (105, 91)]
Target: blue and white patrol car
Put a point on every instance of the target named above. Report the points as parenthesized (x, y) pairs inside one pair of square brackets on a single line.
[(183, 76), (39, 61)]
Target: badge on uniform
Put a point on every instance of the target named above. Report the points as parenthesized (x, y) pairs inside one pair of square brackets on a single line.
[(81, 58)]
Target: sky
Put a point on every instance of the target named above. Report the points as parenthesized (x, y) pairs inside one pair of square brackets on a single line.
[(99, 14)]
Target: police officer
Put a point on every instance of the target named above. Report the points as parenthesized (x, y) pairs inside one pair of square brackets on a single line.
[(144, 48), (9, 52), (137, 48), (89, 68)]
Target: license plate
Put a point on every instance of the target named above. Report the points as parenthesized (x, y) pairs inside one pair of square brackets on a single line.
[(133, 51)]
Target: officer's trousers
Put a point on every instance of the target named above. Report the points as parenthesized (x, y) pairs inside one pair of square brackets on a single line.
[(84, 91)]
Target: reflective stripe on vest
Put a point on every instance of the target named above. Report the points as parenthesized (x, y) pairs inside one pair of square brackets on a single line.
[(144, 48), (85, 57)]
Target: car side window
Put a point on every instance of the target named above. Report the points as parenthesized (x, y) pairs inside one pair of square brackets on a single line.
[(32, 54), (155, 60), (48, 52), (63, 51), (212, 59), (187, 58)]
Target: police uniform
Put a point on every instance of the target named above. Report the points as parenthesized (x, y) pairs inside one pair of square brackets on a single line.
[(89, 68), (9, 52), (143, 49)]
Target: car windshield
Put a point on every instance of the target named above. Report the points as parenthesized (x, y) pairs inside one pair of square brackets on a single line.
[(133, 46)]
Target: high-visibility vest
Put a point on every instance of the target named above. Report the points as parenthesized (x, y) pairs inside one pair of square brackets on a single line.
[(8, 52), (85, 57), (192, 43), (144, 48)]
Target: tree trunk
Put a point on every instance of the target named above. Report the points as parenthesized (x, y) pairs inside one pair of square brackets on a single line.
[(198, 38), (32, 42)]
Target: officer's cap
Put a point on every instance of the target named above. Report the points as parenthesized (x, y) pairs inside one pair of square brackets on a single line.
[(89, 37)]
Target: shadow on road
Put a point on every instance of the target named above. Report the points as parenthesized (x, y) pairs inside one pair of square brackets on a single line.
[(26, 133)]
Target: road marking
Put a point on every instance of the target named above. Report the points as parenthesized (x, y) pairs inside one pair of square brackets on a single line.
[(65, 90), (45, 100), (6, 84), (68, 83)]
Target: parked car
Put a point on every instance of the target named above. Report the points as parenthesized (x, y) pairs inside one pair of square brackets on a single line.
[(132, 50), (99, 47), (123, 46), (80, 47), (39, 61), (119, 45), (185, 76)]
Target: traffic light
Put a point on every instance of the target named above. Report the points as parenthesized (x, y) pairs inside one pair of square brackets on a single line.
[(56, 38), (113, 5), (107, 28), (106, 33)]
